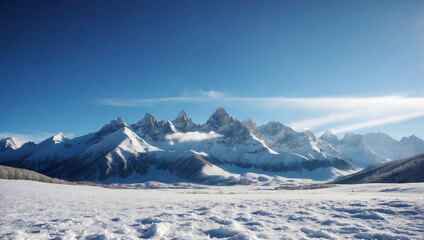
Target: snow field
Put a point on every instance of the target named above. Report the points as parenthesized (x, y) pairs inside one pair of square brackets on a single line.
[(34, 210)]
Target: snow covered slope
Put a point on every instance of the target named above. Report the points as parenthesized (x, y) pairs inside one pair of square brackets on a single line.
[(373, 148), (395, 171), (117, 153), (34, 210), (231, 143), (283, 139), (121, 153), (228, 142), (222, 149), (45, 154)]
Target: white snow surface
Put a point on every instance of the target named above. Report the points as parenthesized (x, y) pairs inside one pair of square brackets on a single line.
[(124, 139), (34, 210)]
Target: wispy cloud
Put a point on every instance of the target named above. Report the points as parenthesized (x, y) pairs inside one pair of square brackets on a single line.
[(378, 122), (211, 93), (343, 113), (198, 96), (142, 102)]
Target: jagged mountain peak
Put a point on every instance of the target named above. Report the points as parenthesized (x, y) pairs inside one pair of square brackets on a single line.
[(309, 133), (147, 119), (219, 118), (376, 139), (147, 125), (182, 115), (119, 149), (55, 139), (412, 138), (220, 110), (128, 139), (117, 122), (149, 116), (330, 137), (166, 127), (250, 125), (110, 127), (351, 139), (378, 136), (328, 132), (275, 128), (182, 122)]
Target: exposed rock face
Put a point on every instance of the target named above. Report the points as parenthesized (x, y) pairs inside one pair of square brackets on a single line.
[(146, 126), (182, 123), (218, 119), (180, 149)]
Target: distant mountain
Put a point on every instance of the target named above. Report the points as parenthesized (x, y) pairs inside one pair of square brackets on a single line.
[(218, 151), (396, 171), (9, 143), (44, 154), (373, 148)]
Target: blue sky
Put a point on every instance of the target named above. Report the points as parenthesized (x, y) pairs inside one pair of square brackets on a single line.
[(71, 66)]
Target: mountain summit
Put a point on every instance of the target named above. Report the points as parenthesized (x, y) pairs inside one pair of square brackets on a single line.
[(220, 151), (182, 122), (218, 119), (330, 137)]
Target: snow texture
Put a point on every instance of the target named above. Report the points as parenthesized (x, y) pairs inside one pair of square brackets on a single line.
[(34, 210)]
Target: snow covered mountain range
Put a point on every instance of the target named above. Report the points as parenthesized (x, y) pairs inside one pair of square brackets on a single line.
[(221, 151)]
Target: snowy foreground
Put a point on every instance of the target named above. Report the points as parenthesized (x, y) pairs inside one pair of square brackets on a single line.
[(34, 210)]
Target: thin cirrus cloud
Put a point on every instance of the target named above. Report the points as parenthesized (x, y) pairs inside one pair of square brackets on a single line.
[(342, 113)]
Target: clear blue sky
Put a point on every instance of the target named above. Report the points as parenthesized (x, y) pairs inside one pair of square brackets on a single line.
[(65, 65)]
